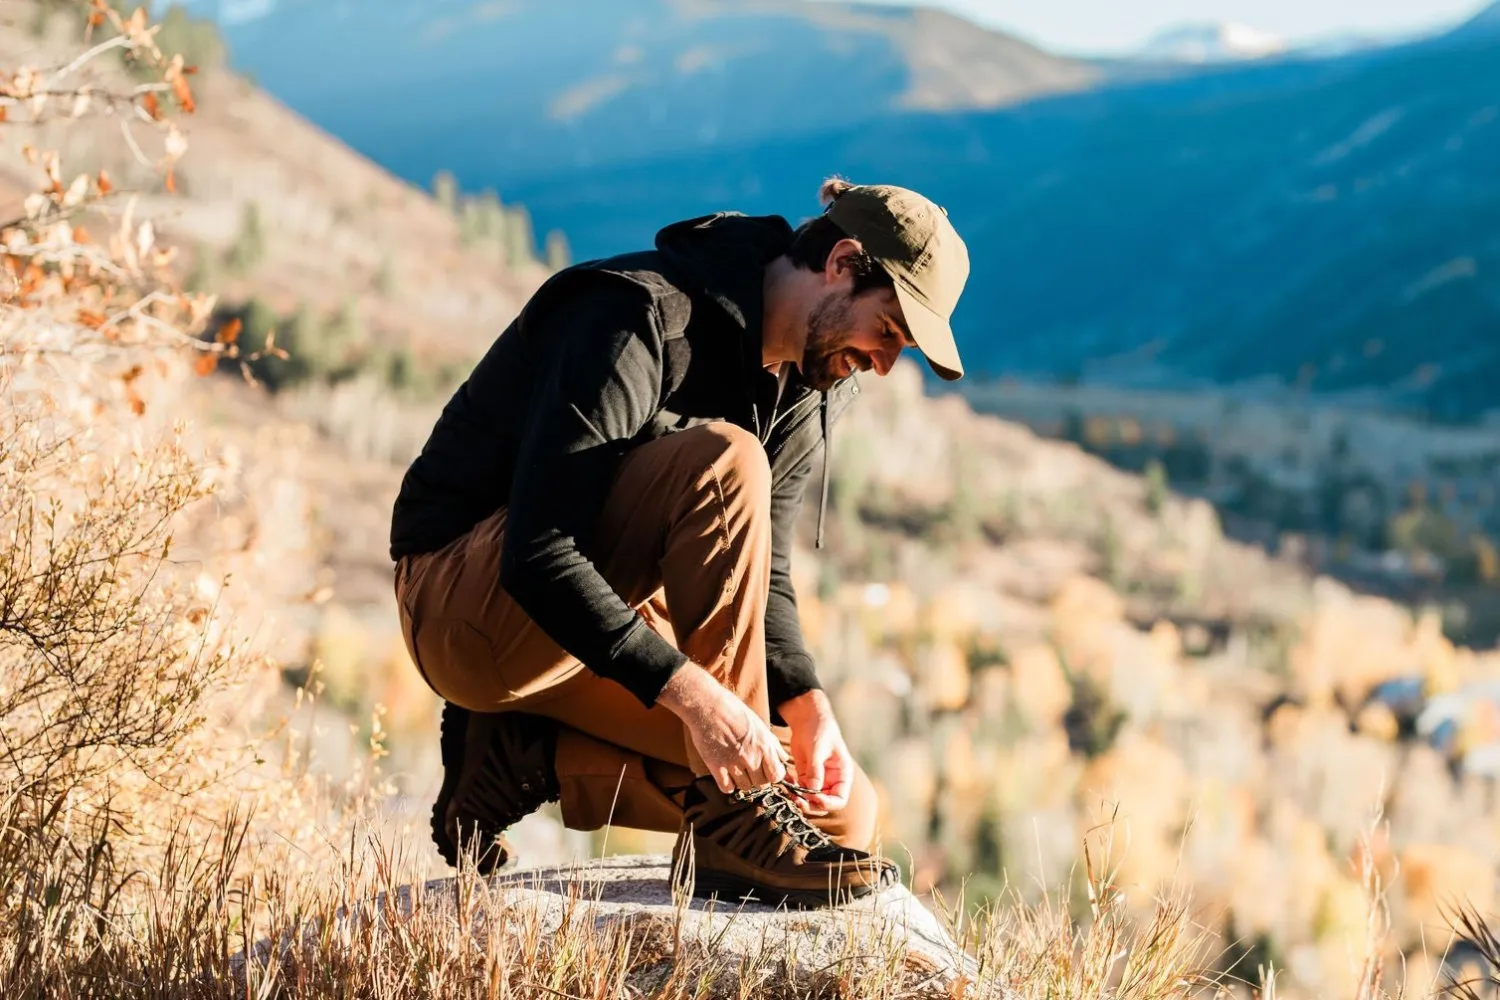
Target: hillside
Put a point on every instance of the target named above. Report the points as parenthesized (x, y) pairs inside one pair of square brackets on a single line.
[(497, 92), (1019, 639), (270, 206), (1328, 223)]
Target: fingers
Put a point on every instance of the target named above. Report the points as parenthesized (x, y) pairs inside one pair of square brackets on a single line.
[(836, 783), (762, 762), (815, 769)]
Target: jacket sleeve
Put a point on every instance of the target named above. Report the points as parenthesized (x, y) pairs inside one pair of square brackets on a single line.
[(600, 371), (789, 666)]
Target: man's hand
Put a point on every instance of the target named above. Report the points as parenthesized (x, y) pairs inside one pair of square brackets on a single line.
[(739, 748), (820, 756)]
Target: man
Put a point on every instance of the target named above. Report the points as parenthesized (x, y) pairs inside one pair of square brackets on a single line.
[(593, 549)]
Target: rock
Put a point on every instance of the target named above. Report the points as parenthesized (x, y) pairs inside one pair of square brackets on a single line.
[(778, 947)]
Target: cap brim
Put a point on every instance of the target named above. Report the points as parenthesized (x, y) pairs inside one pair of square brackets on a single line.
[(933, 334)]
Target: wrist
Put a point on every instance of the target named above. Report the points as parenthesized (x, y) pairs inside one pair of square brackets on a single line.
[(805, 706), (683, 690)]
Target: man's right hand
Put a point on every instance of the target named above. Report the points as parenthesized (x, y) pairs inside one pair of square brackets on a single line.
[(739, 748)]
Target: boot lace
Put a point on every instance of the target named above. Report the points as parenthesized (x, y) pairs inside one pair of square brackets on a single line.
[(784, 815)]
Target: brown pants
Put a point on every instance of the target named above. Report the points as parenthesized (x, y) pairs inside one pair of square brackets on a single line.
[(685, 538)]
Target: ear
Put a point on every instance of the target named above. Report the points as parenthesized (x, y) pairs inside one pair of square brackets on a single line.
[(836, 268)]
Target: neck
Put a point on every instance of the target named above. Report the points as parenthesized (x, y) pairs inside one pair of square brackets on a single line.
[(781, 335)]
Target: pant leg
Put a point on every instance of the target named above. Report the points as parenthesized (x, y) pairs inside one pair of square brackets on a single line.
[(687, 515), (687, 523)]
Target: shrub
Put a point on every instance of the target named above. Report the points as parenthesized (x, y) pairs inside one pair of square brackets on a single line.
[(249, 247)]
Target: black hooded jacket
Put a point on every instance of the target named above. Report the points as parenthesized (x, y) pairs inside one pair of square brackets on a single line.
[(606, 355)]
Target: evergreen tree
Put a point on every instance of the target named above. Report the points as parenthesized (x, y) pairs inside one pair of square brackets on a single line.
[(520, 238), (250, 245), (445, 190), (1156, 487), (559, 254)]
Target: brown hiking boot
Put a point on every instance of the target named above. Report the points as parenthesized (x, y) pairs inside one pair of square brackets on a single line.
[(497, 768), (758, 844)]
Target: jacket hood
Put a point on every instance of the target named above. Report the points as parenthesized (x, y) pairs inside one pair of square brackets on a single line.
[(722, 257)]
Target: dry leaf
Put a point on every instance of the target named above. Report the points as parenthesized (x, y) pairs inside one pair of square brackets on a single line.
[(91, 319), (180, 88), (171, 182), (105, 185), (229, 332), (206, 364), (152, 105)]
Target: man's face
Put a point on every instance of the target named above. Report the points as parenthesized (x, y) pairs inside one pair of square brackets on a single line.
[(849, 333)]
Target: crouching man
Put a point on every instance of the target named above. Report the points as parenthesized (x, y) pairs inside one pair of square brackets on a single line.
[(593, 548)]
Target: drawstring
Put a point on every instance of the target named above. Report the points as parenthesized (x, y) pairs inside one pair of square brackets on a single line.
[(827, 464)]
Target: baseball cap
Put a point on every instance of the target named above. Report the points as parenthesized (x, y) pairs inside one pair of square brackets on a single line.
[(911, 238)]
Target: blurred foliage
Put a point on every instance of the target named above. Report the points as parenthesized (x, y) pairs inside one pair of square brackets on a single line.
[(248, 250), (334, 348)]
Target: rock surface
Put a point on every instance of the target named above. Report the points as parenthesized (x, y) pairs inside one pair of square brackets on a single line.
[(893, 931)]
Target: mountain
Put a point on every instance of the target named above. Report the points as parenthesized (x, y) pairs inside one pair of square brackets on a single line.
[(1325, 223), (1211, 43), (501, 90), (1486, 22), (1321, 223)]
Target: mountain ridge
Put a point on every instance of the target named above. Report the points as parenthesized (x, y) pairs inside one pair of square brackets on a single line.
[(486, 92), (1322, 223), (1212, 42)]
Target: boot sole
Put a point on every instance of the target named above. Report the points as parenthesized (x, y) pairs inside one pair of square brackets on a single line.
[(708, 885)]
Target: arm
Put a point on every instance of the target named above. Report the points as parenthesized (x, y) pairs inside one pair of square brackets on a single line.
[(600, 370), (790, 671)]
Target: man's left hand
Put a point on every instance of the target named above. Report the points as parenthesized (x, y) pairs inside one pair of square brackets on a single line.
[(820, 757)]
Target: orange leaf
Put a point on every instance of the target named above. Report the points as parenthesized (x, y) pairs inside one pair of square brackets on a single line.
[(153, 106), (81, 235), (133, 374), (91, 319), (96, 19), (137, 404), (105, 186), (183, 93), (229, 332), (171, 182), (206, 364), (4, 113)]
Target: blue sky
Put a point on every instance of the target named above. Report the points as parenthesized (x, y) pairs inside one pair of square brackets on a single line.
[(1102, 26)]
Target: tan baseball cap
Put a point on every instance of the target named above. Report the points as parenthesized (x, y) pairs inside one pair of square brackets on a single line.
[(912, 239)]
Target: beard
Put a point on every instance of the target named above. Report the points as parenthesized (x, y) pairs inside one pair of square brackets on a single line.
[(823, 356)]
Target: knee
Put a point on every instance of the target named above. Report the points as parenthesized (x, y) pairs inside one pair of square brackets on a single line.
[(737, 457)]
